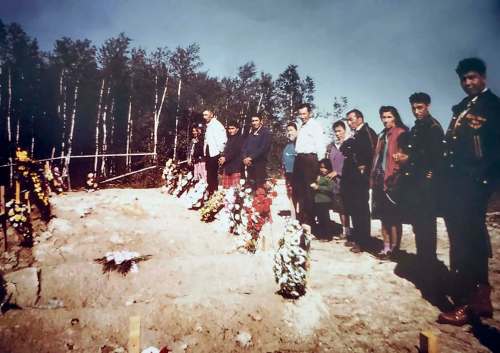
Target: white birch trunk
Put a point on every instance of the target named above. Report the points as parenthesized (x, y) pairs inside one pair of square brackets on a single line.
[(98, 121), (104, 134), (9, 124), (111, 135), (9, 108), (157, 119), (72, 128), (18, 131), (63, 137), (129, 133), (32, 136), (260, 102), (177, 117)]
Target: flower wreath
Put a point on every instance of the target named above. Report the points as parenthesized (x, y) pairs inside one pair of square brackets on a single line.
[(19, 218), (121, 261), (291, 261), (197, 195), (213, 206)]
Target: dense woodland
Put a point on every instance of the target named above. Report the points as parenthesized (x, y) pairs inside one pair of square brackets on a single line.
[(82, 99)]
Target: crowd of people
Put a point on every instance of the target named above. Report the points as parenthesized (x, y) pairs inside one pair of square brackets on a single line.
[(415, 174)]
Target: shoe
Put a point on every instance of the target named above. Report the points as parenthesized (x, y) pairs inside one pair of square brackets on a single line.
[(350, 244), (356, 249), (384, 255), (481, 301), (458, 317)]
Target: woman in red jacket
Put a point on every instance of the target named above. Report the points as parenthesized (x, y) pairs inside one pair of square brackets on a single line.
[(384, 176)]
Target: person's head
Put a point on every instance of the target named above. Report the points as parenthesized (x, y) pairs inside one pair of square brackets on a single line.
[(472, 74), (354, 118), (325, 166), (195, 131), (390, 117), (291, 131), (304, 112), (208, 115), (256, 122), (420, 103), (339, 130), (233, 127)]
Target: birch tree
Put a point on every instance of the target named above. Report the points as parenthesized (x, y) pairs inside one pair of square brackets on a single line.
[(184, 63)]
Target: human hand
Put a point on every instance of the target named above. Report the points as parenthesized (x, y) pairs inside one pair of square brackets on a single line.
[(362, 169), (331, 175), (400, 157), (247, 161), (475, 121), (314, 186), (222, 160), (428, 175)]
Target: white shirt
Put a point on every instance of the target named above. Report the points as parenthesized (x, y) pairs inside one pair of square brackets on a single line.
[(215, 138), (311, 139)]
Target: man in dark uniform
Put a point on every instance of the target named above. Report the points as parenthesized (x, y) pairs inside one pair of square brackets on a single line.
[(472, 167), (420, 162), (355, 184)]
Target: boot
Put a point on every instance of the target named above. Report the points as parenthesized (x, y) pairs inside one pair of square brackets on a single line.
[(458, 317), (481, 301)]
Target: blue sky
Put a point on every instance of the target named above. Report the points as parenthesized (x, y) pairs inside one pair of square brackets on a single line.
[(375, 52)]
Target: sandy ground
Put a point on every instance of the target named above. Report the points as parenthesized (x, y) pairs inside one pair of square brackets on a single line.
[(197, 293)]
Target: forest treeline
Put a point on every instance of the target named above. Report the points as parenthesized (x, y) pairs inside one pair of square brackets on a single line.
[(82, 99)]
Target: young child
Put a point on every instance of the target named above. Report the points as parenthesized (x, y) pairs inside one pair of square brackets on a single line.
[(323, 200)]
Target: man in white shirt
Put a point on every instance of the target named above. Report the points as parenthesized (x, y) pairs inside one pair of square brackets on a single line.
[(310, 147), (215, 140)]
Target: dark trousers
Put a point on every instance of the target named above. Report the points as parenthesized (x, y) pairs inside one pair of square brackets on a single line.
[(355, 198), (212, 166), (465, 213), (305, 172), (323, 228), (424, 227), (256, 173)]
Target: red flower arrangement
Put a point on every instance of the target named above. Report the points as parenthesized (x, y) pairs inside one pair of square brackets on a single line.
[(260, 213)]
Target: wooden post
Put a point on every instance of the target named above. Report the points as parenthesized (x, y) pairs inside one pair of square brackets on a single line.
[(2, 200), (134, 339), (18, 192), (27, 201), (428, 342)]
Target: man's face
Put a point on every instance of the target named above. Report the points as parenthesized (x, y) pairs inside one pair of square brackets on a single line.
[(304, 115), (339, 132), (473, 83), (291, 133), (208, 115), (420, 110), (232, 130), (353, 121), (256, 122)]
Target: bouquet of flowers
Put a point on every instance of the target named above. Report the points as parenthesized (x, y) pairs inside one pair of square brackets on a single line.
[(197, 195), (237, 202), (32, 177), (291, 261), (170, 175), (212, 206), (186, 182), (19, 218), (57, 182), (90, 183), (121, 261)]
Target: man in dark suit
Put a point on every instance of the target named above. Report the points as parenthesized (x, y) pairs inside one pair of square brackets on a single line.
[(354, 184), (254, 152), (471, 167)]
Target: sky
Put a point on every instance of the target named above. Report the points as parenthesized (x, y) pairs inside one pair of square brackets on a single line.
[(375, 52)]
